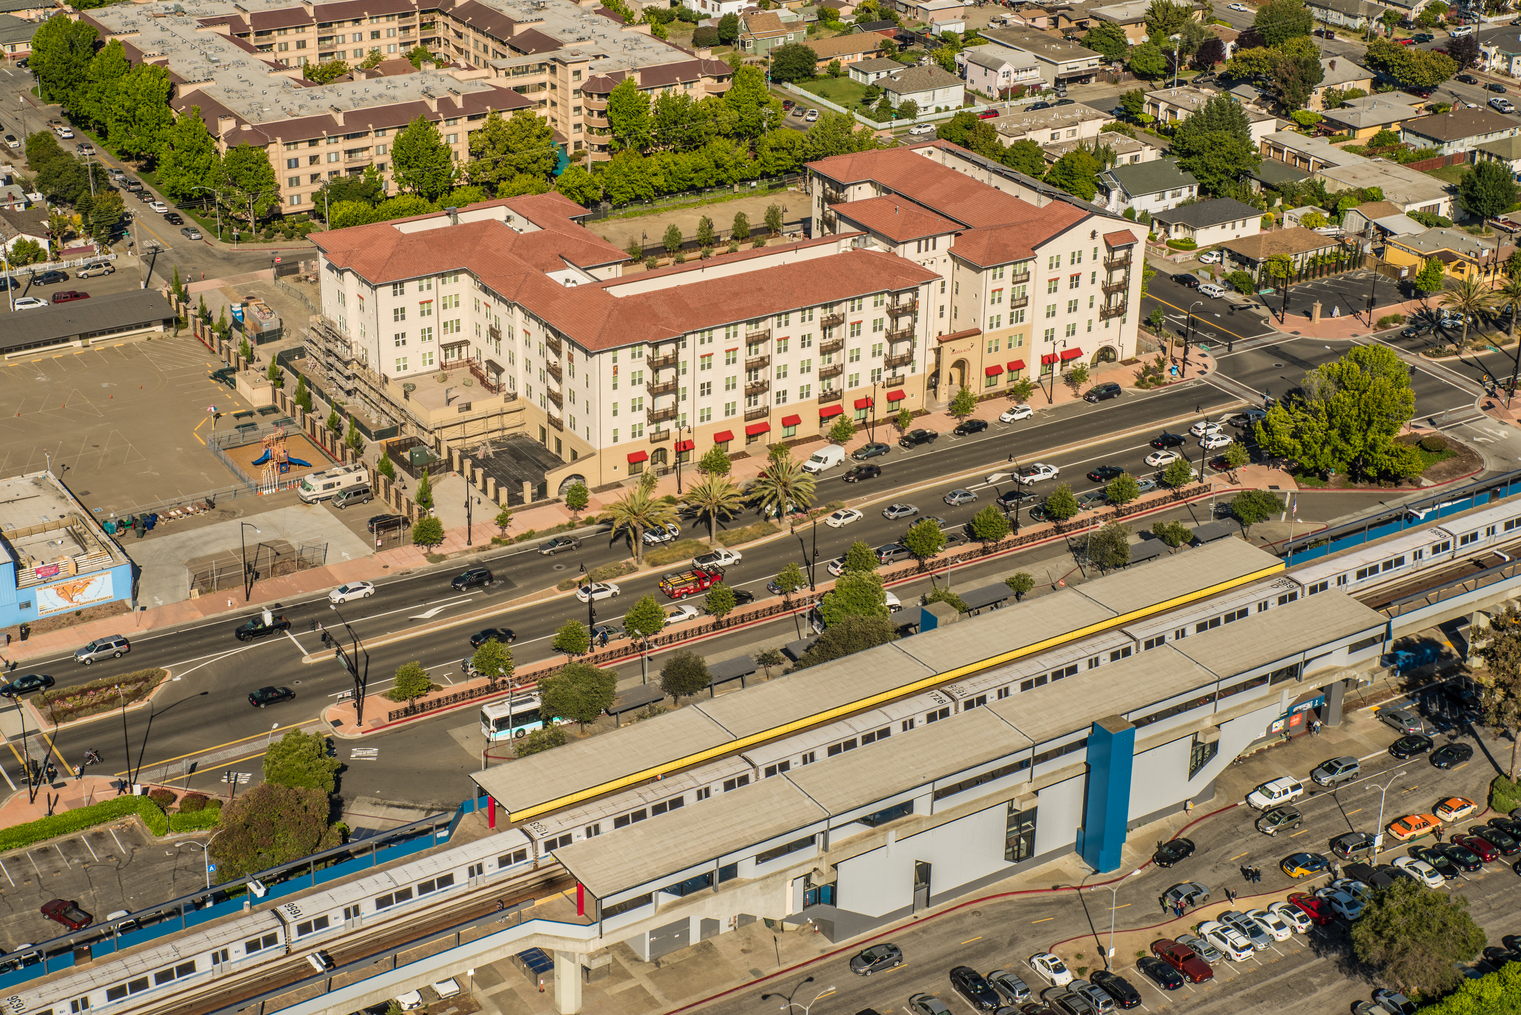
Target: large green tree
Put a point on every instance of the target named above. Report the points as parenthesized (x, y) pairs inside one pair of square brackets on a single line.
[(106, 212), (61, 53), (628, 117), (1252, 506), (1148, 61), (755, 108), (579, 185), (1279, 20), (1348, 417), (301, 760), (1499, 646), (247, 182), (855, 594), (1215, 144), (1165, 18), (420, 161), (793, 61), (137, 112), (1416, 938), (1488, 189), (851, 635), (188, 157), (107, 67), (1107, 39), (1077, 173), (502, 149), (684, 674), (1408, 66), (580, 692), (270, 825)]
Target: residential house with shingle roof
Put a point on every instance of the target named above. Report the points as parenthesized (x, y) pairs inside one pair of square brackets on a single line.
[(1506, 150), (847, 49), (1076, 122), (1339, 73), (930, 87), (1500, 50), (18, 223), (1353, 14), (1463, 255), (1208, 222), (994, 70), (1296, 243), (869, 72), (1145, 187), (762, 31), (1364, 117), (1458, 130), (1061, 62)]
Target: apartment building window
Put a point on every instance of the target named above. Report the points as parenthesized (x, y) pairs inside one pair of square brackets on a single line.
[(398, 313), (1050, 309), (1053, 284), (293, 181), (855, 329), (295, 199), (292, 163), (1074, 280), (401, 365), (730, 408), (1072, 306)]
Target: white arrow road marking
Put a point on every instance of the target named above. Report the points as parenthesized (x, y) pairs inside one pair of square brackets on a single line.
[(430, 614)]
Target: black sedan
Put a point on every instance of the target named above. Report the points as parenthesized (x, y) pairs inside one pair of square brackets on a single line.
[(973, 986), (1183, 278), (1505, 843), (1438, 861), (1464, 858), (914, 438), (877, 958), (1159, 972), (1125, 996), (860, 472), (1173, 852), (743, 597), (1411, 745), (1495, 86), (1510, 826), (173, 218), (1451, 755), (1467, 79), (970, 426), (26, 685), (500, 634), (1104, 473), (269, 696), (1166, 440), (1014, 499), (50, 278), (872, 450)]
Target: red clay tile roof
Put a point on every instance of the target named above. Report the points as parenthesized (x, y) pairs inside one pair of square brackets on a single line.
[(1119, 238), (895, 218)]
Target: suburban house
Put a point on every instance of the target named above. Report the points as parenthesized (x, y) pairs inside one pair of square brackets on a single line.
[(847, 49), (1129, 16), (989, 70), (16, 36), (1402, 186), (19, 223), (1127, 150), (717, 8), (1061, 62), (1339, 73), (1296, 243), (1273, 175), (930, 87), (1462, 254), (1208, 222), (762, 31), (1076, 122), (942, 15), (1458, 130), (1170, 105), (869, 72), (1376, 221), (1500, 50), (1307, 154), (1353, 14), (1145, 186), (1507, 150), (1364, 117)]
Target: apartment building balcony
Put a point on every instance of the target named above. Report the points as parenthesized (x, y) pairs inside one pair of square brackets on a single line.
[(832, 370), (553, 342), (900, 334), (757, 388), (661, 415), (556, 422), (557, 398), (487, 381), (553, 369), (758, 335), (1115, 263), (1017, 279), (1023, 301), (595, 105), (895, 380), (830, 220), (830, 345), (833, 196), (358, 156), (661, 362), (1113, 310), (901, 360), (494, 333), (656, 389), (759, 412), (758, 362), (832, 320), (1116, 285), (659, 436), (830, 396), (901, 307)]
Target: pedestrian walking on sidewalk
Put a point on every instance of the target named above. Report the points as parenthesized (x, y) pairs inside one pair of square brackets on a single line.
[(1164, 906), (1230, 897), (1256, 875), (1246, 872)]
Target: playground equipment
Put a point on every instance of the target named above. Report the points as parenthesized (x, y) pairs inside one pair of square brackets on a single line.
[(276, 461)]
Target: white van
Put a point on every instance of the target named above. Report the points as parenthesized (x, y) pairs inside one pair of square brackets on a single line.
[(825, 458), (321, 486)]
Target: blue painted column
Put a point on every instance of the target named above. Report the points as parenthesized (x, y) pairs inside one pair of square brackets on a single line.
[(1111, 756)]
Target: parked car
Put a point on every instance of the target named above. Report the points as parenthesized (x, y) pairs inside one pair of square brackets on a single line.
[(1159, 972), (1051, 969), (973, 986), (914, 438), (1173, 852), (970, 426), (69, 296), (158, 206), (1336, 771), (1015, 412), (1118, 988), (1182, 958), (1402, 720), (30, 303), (921, 128), (67, 913), (1013, 989), (1183, 278), (190, 233), (1451, 755), (174, 218), (1455, 808), (50, 278), (1100, 392), (874, 449), (95, 268), (876, 959)]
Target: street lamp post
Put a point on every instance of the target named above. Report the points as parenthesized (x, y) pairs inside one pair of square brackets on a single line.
[(1188, 334), (468, 518), (787, 999), (679, 453), (1055, 362), (205, 848), (871, 430), (350, 663), (1378, 835), (243, 543), (1114, 902), (591, 611)]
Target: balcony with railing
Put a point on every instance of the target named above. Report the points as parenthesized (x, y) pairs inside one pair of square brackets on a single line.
[(830, 345), (831, 370), (554, 371), (901, 360), (556, 422), (358, 155), (661, 362), (900, 334), (656, 389), (758, 335), (494, 333), (1023, 301), (901, 307), (661, 415), (757, 388), (1019, 279), (1116, 285), (553, 342), (830, 396), (832, 320), (895, 380), (1113, 309), (758, 362), (557, 398), (659, 436), (1114, 263), (490, 383), (832, 196), (759, 412)]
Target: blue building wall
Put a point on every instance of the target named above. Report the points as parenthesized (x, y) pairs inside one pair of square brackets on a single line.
[(1111, 755)]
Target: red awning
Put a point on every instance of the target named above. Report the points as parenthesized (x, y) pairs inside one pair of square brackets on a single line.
[(1016, 364), (992, 371), (638, 456), (792, 420), (685, 445), (1047, 358), (830, 410), (1071, 354), (863, 403), (755, 428), (723, 438), (896, 396)]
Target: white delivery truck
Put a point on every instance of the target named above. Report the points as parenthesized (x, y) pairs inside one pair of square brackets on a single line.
[(321, 486), (825, 458)]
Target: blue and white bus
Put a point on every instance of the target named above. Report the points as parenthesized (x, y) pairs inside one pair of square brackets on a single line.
[(512, 717)]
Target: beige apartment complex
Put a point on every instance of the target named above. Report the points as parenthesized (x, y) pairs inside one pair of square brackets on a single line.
[(241, 63), (510, 317)]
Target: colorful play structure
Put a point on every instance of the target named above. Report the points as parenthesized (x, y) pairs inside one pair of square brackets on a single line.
[(276, 461)]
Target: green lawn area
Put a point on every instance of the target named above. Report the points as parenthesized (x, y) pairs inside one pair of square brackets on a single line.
[(1449, 174), (841, 90)]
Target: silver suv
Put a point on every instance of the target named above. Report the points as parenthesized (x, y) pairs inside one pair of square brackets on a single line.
[(114, 646), (1336, 771), (1403, 721)]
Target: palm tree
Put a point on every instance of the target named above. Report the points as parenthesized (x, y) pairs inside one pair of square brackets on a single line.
[(783, 485), (638, 510), (713, 495), (1510, 294), (1470, 297)]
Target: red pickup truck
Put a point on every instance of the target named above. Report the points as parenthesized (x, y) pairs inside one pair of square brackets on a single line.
[(699, 579)]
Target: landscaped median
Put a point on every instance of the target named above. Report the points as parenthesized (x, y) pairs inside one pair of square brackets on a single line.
[(203, 814), (81, 701)]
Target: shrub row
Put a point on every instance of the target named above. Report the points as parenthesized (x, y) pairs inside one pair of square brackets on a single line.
[(19, 836), (63, 704)]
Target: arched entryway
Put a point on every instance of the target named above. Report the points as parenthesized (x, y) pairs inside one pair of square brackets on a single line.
[(660, 456), (955, 378), (568, 482), (1106, 354)]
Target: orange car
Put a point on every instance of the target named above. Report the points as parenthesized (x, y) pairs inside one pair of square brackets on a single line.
[(1413, 826), (1454, 808)]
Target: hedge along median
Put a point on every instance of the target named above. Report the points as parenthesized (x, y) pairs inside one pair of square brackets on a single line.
[(18, 836), (65, 704)]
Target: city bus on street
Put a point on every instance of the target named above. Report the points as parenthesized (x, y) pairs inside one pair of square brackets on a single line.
[(512, 717)]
